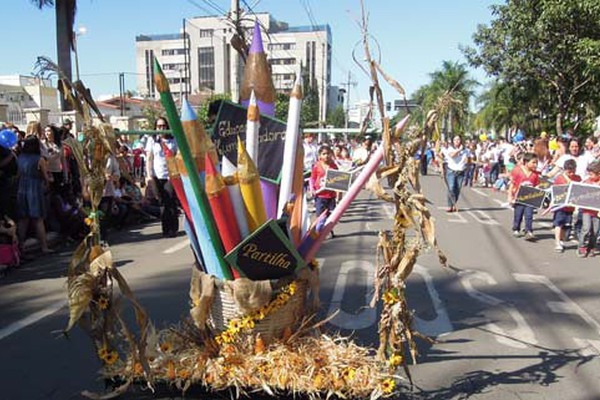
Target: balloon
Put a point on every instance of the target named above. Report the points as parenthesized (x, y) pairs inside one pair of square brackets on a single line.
[(80, 137), (483, 137), (8, 138)]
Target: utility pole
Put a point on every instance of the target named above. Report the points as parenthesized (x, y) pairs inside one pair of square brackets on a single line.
[(347, 85), (234, 69), (323, 104), (122, 92)]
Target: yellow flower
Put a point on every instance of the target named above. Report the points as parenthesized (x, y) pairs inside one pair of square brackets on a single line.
[(390, 297), (103, 302), (284, 297), (396, 360), (138, 369), (292, 289), (234, 326), (248, 323), (318, 381), (165, 347), (111, 358), (388, 386), (88, 221), (103, 352), (349, 374), (184, 374), (258, 315)]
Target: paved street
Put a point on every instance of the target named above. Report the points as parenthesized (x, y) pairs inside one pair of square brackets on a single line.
[(512, 318)]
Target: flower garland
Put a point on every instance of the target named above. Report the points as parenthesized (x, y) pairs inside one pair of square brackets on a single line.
[(248, 322)]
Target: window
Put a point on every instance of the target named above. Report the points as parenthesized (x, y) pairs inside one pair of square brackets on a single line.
[(150, 72), (283, 61), (206, 33), (172, 52), (206, 67), (282, 46)]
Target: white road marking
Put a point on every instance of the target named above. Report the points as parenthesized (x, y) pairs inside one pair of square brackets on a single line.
[(504, 204), (458, 217), (367, 316), (479, 192), (441, 325), (31, 319), (544, 224), (486, 220), (175, 248), (522, 331), (588, 347), (570, 305)]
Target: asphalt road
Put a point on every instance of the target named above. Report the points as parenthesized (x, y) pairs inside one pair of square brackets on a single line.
[(512, 319)]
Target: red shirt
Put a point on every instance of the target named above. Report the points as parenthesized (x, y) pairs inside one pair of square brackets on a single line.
[(522, 175), (564, 179), (317, 179)]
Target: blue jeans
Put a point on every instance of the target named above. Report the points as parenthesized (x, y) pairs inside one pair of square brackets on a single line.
[(520, 211), (494, 172), (469, 174), (454, 179)]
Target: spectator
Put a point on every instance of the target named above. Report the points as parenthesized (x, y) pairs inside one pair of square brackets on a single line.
[(33, 176), (55, 162), (324, 199)]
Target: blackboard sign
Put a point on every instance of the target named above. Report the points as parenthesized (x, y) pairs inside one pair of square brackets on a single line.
[(559, 195), (231, 122), (544, 183), (531, 196), (266, 254), (584, 196), (337, 180)]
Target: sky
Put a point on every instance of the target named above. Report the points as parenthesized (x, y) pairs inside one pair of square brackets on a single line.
[(414, 37)]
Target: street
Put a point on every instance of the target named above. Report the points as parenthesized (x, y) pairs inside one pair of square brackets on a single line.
[(511, 318)]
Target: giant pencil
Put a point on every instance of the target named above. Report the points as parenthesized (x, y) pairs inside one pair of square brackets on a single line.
[(290, 147), (355, 188), (257, 78), (222, 208), (212, 250), (299, 211), (252, 126), (250, 188)]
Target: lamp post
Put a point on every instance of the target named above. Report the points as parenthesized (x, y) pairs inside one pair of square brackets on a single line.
[(82, 30)]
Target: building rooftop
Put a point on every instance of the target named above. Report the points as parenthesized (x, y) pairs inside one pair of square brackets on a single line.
[(167, 36), (312, 28)]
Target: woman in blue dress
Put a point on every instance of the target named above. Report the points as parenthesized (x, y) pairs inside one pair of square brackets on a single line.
[(33, 181)]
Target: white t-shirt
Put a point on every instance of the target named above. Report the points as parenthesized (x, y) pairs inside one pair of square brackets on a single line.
[(458, 162), (159, 165), (310, 155), (582, 163)]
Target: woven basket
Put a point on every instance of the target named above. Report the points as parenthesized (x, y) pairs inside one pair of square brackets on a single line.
[(224, 309)]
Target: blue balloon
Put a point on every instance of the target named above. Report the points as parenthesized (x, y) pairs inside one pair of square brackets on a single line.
[(8, 139)]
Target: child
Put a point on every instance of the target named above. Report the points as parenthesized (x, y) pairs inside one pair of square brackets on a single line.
[(591, 222), (564, 216), (324, 199), (523, 174)]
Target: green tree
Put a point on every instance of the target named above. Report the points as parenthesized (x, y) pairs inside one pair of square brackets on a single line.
[(203, 112), (282, 104), (451, 81), (337, 118), (551, 45), (309, 115), (65, 11)]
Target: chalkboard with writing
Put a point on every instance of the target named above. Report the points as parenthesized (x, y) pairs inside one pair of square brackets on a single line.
[(338, 180), (584, 196), (531, 196), (266, 254), (231, 122), (559, 194)]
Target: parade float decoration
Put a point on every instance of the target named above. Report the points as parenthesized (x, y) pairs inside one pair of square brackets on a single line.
[(254, 289)]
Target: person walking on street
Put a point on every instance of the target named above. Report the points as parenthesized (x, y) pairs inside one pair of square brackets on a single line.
[(455, 157), (158, 172)]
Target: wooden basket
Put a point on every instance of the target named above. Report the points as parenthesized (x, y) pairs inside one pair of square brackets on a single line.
[(224, 309)]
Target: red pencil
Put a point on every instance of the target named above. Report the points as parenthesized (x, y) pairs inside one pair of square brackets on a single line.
[(222, 208)]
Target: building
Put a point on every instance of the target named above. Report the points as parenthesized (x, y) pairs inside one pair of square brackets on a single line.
[(202, 59), (20, 93)]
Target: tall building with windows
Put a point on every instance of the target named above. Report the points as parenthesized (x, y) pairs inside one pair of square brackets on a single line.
[(202, 60)]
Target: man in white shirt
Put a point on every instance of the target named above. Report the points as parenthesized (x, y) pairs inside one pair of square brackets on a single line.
[(310, 151), (456, 157)]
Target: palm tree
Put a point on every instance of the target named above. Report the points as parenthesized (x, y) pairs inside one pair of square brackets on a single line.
[(453, 80), (65, 20)]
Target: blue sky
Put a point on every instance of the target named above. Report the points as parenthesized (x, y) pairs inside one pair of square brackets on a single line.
[(414, 36)]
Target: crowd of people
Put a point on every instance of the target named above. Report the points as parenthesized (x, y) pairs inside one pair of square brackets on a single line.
[(42, 190), (542, 161)]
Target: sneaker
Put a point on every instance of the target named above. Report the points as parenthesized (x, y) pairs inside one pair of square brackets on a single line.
[(517, 233), (582, 252), (529, 236), (559, 248)]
